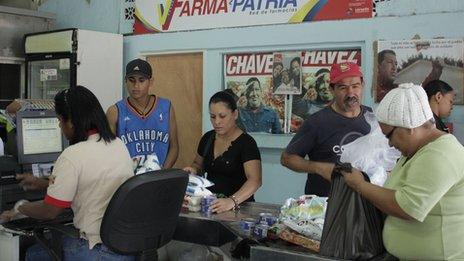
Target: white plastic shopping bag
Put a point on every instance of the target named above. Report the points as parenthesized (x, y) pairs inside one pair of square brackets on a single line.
[(371, 153)]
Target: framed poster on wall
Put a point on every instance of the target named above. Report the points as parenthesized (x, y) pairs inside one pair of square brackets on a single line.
[(419, 62), (249, 76), (316, 93), (242, 71)]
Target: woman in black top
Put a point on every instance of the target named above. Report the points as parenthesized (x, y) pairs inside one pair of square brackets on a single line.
[(441, 98), (229, 156)]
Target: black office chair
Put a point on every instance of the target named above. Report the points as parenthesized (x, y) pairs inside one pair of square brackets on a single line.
[(140, 218), (142, 215)]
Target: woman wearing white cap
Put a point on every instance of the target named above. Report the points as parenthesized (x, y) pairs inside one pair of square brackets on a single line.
[(424, 195)]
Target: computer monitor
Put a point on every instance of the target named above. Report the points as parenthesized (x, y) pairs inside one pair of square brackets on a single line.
[(38, 136)]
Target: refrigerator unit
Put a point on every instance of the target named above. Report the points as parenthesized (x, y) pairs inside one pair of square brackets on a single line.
[(62, 59)]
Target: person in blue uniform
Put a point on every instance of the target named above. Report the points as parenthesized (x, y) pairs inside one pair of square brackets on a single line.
[(145, 123), (255, 116)]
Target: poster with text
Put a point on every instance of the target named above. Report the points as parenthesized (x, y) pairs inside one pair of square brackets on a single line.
[(419, 62), (184, 15), (316, 93), (249, 77)]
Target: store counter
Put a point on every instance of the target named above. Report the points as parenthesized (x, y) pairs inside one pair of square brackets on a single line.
[(219, 229), (194, 227)]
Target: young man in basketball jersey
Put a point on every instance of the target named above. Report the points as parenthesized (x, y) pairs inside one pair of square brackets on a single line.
[(145, 123)]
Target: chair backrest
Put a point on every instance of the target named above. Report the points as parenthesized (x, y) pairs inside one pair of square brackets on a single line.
[(142, 214)]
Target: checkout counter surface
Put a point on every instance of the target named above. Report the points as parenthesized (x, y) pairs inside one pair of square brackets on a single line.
[(194, 227), (218, 229)]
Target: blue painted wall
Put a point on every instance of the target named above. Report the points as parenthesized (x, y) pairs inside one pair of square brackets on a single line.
[(98, 15), (399, 19), (280, 183)]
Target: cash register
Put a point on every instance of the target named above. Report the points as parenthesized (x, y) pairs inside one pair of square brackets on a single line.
[(39, 143)]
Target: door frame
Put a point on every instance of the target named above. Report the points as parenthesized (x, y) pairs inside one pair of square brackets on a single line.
[(143, 55), (152, 56)]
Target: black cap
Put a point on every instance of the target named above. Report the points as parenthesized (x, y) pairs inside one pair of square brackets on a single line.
[(140, 67)]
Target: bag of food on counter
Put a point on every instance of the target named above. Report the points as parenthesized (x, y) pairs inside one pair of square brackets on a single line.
[(306, 207), (310, 228), (371, 153), (192, 203), (353, 226), (197, 186), (305, 215)]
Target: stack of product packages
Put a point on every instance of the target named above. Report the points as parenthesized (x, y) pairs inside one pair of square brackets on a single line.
[(198, 197), (301, 222), (303, 219), (265, 226)]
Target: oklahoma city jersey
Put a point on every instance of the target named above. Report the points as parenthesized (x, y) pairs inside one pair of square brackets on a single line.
[(147, 135)]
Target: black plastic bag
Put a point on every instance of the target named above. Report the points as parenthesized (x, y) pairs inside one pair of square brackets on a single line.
[(353, 226)]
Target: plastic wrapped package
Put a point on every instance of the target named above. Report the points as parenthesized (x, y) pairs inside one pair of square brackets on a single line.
[(310, 228), (304, 208), (371, 153), (151, 163), (197, 186), (192, 203), (305, 215), (196, 190)]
